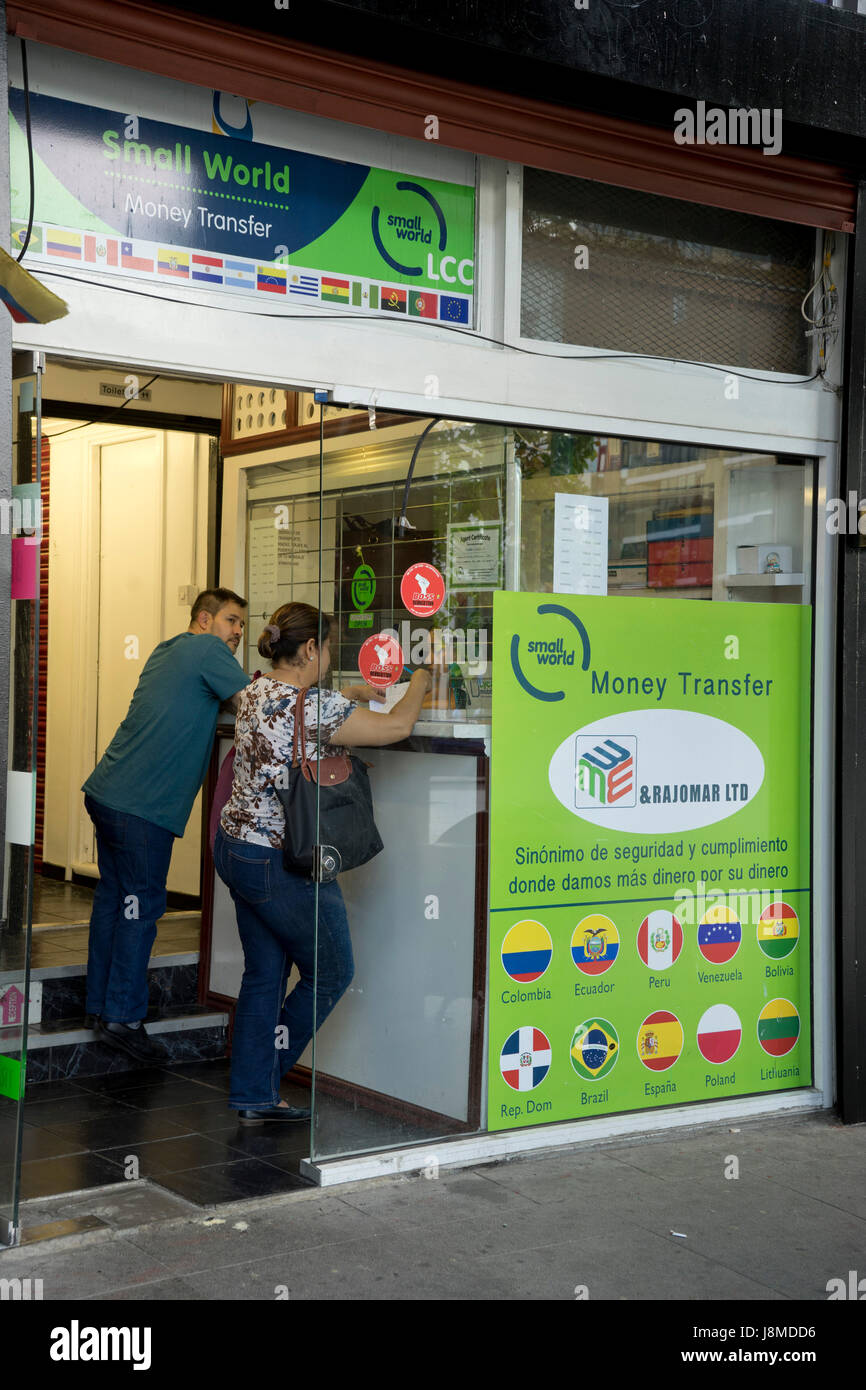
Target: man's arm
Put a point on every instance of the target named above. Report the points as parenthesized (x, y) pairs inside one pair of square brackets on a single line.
[(232, 702)]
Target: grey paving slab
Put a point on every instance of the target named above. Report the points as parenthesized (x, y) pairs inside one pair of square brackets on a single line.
[(388, 1269), (82, 1272), (419, 1201), (159, 1291), (611, 1269), (197, 1246), (120, 1207)]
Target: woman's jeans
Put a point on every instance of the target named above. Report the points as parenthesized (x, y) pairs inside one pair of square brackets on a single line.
[(133, 857), (276, 914)]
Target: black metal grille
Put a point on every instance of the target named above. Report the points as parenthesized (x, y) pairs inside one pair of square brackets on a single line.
[(663, 277)]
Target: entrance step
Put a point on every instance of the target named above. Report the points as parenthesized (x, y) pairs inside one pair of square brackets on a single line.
[(66, 1049)]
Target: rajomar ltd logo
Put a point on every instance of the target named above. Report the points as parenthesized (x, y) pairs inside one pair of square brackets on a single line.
[(605, 771), (695, 769)]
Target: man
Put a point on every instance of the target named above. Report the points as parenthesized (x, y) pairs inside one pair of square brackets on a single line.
[(139, 798)]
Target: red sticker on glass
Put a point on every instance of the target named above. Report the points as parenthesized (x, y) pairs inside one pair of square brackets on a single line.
[(422, 590), (380, 660)]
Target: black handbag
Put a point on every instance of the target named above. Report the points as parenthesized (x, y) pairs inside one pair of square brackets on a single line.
[(347, 835)]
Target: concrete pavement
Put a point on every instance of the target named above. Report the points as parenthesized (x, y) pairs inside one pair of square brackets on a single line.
[(770, 1210)]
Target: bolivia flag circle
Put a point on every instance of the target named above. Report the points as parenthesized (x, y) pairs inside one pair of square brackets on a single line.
[(778, 1027), (526, 951), (719, 1033), (778, 930), (719, 934), (660, 1040), (594, 944)]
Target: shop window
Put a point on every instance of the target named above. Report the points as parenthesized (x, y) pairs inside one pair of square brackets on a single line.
[(628, 271), (665, 520)]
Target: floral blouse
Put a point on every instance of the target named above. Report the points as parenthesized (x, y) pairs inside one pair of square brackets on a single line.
[(264, 730)]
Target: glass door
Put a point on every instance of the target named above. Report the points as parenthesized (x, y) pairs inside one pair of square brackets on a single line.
[(22, 544), (411, 536)]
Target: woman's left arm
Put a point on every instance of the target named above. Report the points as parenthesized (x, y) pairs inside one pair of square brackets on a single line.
[(362, 694)]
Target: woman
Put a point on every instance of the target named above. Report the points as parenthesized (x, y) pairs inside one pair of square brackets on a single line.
[(276, 909)]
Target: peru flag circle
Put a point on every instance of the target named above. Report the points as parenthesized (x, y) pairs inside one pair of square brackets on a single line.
[(659, 940), (719, 1034)]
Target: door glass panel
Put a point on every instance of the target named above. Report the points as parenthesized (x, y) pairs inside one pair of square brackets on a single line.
[(23, 532), (396, 1058)]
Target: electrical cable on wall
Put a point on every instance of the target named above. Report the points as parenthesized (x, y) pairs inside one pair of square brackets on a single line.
[(328, 317), (26, 243)]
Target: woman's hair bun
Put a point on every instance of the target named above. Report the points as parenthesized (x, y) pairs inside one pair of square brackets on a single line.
[(268, 640)]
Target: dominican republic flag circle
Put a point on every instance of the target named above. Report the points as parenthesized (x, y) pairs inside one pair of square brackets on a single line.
[(525, 1059), (659, 940), (719, 1033)]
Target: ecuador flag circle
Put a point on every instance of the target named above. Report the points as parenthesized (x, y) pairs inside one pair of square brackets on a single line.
[(526, 951), (594, 1049), (660, 1040), (778, 1027), (778, 930), (594, 944)]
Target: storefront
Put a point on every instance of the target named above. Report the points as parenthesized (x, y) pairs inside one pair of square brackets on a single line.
[(592, 414)]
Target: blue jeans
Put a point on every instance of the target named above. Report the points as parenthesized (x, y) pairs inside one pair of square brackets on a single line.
[(133, 857), (276, 914)]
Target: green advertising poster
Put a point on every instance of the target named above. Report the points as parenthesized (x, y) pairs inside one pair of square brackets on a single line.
[(129, 196), (11, 1077), (649, 883)]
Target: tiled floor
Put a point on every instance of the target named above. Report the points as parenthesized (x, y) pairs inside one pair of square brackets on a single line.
[(177, 933), (171, 1125), (55, 901)]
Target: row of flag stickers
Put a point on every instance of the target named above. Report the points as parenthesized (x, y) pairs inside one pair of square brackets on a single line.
[(204, 269), (526, 1055), (527, 948)]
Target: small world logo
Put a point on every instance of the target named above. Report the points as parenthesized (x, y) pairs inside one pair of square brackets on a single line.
[(605, 770)]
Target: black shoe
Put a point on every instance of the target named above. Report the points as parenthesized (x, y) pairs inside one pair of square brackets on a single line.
[(284, 1113), (90, 1021), (133, 1041)]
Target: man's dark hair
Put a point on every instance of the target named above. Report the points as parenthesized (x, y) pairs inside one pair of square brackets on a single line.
[(212, 600)]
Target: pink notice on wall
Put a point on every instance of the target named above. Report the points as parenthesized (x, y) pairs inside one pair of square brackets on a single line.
[(25, 567), (11, 1006)]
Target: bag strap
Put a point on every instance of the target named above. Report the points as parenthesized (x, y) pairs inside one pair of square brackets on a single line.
[(299, 737)]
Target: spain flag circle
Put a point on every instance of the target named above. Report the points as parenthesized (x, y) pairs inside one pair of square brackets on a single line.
[(778, 1027), (660, 1040)]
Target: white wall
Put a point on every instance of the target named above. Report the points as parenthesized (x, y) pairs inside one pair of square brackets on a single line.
[(128, 526)]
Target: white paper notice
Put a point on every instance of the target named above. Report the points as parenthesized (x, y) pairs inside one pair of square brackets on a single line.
[(580, 544), (388, 698)]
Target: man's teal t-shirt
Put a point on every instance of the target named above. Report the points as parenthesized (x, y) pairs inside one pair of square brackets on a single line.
[(157, 760)]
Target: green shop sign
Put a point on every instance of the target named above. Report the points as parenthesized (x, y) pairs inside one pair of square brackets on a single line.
[(650, 868), (128, 196)]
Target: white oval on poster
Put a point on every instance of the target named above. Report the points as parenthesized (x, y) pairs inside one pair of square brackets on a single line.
[(656, 771)]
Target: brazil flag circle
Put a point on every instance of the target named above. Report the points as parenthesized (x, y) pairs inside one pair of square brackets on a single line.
[(594, 1049)]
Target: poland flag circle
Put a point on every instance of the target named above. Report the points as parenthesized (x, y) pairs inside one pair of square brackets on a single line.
[(719, 1033)]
